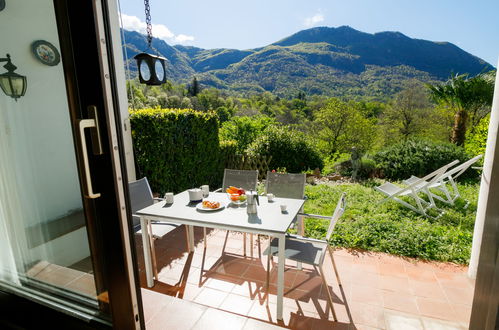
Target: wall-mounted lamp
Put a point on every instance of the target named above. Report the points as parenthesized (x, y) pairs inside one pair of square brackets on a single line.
[(2, 5), (12, 84)]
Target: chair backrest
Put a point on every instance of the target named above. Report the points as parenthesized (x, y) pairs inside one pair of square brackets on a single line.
[(462, 168), (338, 212), (140, 197), (286, 185), (246, 179)]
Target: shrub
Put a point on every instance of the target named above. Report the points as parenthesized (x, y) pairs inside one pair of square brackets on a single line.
[(418, 157), (176, 149), (367, 168), (476, 141), (244, 130), (289, 149)]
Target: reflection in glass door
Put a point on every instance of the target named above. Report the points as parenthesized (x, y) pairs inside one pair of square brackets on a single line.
[(43, 233)]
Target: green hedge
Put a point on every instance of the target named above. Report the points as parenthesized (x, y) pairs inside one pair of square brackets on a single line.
[(176, 149), (418, 157), (289, 149)]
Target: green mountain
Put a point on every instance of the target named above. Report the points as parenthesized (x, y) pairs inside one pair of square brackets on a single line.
[(331, 61)]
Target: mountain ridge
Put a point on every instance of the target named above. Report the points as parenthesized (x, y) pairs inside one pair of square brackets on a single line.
[(322, 60)]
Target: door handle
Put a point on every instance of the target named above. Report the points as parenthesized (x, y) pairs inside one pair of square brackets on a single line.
[(97, 147)]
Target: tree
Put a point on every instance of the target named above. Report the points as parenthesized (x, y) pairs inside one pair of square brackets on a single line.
[(407, 114), (244, 130), (469, 98), (194, 88), (341, 126)]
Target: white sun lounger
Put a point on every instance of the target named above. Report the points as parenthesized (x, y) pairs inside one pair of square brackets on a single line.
[(450, 177), (418, 185)]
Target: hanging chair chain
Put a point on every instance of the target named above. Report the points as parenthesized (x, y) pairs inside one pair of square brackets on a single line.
[(148, 22)]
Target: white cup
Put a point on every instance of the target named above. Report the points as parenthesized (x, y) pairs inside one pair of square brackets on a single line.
[(283, 207), (195, 195), (270, 197), (206, 190), (168, 198)]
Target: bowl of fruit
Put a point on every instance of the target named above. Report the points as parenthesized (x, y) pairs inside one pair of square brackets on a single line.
[(236, 195)]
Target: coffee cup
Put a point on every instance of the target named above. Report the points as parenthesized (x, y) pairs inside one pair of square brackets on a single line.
[(206, 190), (270, 197), (195, 195), (283, 207), (168, 198)]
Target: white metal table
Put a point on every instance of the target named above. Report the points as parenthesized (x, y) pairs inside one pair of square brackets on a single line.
[(268, 221)]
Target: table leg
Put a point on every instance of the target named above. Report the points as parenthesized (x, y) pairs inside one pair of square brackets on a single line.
[(280, 275), (147, 251), (301, 231)]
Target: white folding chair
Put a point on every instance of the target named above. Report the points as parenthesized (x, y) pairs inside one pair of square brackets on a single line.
[(246, 179), (450, 177), (420, 185), (140, 197), (287, 185), (311, 251)]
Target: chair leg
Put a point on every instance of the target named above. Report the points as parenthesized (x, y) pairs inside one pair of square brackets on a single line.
[(187, 238), (259, 246), (330, 249), (329, 296), (251, 245), (204, 236), (225, 241), (244, 244), (268, 272)]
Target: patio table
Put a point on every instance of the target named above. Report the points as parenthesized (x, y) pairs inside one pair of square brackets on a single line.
[(268, 221)]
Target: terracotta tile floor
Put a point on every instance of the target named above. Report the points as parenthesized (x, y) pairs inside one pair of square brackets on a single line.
[(378, 291)]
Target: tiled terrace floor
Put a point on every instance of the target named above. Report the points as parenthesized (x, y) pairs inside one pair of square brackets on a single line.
[(379, 291)]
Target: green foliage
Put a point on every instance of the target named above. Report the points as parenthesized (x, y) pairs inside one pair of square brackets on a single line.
[(244, 130), (342, 126), (418, 157), (469, 98), (476, 141), (176, 149), (289, 149), (392, 228), (410, 114)]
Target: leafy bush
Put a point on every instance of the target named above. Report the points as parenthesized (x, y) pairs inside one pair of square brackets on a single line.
[(176, 149), (476, 141), (418, 157), (367, 168), (289, 149), (244, 130)]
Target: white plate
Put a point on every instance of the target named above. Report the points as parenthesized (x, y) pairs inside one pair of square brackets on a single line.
[(200, 207)]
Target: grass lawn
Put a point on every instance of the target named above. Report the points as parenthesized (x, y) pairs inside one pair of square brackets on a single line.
[(392, 228)]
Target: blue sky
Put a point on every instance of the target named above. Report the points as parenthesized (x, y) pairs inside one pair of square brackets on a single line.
[(471, 25)]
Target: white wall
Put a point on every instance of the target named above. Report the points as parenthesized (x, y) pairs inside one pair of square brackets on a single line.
[(39, 122)]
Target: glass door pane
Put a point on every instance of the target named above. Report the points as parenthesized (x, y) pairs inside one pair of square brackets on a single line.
[(43, 233)]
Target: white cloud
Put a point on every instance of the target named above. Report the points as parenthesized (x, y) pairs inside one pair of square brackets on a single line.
[(181, 38), (133, 23), (313, 20)]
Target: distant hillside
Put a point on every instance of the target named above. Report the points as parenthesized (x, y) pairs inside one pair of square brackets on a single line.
[(331, 61)]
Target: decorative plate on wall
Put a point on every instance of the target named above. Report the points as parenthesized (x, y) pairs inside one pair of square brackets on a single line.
[(45, 52)]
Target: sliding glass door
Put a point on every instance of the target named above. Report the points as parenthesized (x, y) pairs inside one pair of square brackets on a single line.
[(60, 212)]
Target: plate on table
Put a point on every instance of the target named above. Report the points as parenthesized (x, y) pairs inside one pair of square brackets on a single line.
[(201, 207)]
